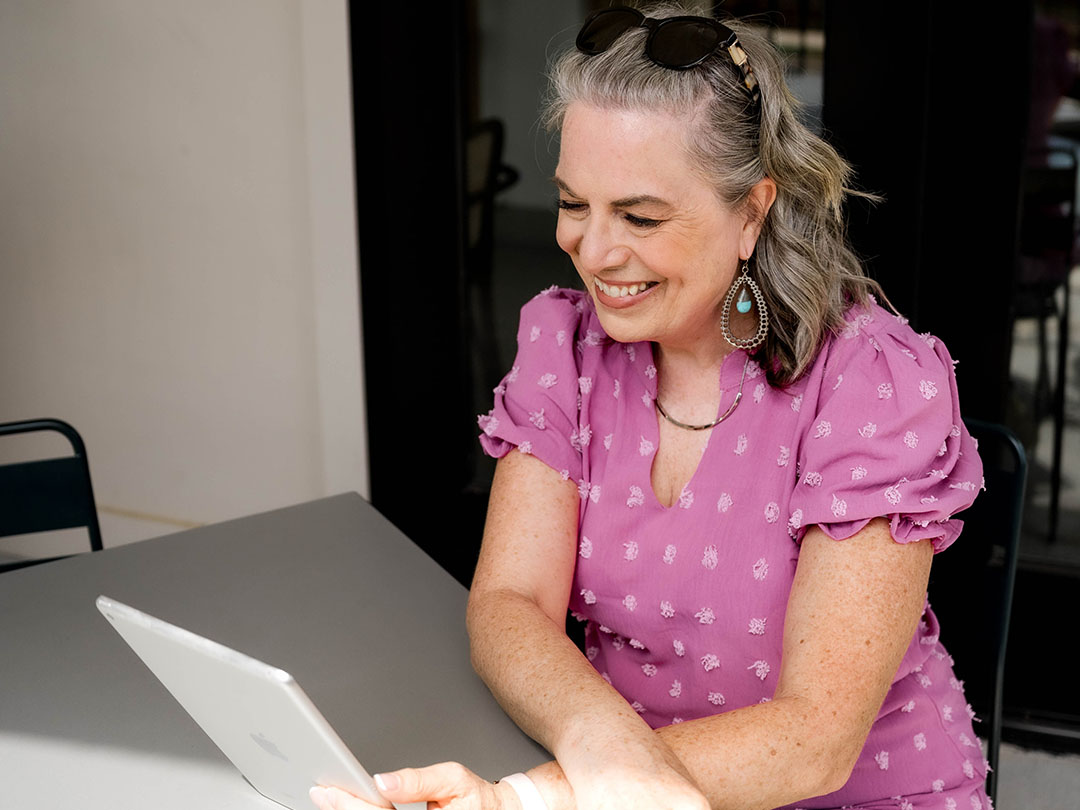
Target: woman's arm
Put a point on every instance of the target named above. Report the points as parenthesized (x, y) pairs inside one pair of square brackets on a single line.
[(516, 619), (851, 615)]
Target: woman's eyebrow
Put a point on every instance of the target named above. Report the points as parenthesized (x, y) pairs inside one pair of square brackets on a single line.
[(639, 199), (622, 202)]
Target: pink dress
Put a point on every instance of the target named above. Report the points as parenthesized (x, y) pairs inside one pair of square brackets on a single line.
[(685, 605)]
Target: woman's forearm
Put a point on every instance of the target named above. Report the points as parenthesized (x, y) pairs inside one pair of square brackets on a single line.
[(752, 758), (541, 678), (766, 755), (757, 757), (516, 620)]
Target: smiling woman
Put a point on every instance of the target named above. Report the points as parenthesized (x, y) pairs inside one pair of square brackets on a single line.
[(634, 216), (724, 457)]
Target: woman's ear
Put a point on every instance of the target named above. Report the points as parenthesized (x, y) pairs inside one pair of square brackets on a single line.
[(758, 203)]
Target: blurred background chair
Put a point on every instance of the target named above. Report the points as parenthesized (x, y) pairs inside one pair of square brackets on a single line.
[(486, 177), (971, 583), (46, 494), (1048, 236)]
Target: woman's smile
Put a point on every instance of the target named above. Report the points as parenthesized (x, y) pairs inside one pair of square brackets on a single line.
[(620, 295)]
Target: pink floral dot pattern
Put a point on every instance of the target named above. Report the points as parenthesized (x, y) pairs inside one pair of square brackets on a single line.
[(684, 602)]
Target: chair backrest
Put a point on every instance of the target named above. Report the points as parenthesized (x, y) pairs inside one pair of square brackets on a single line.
[(486, 176), (971, 583), (47, 494)]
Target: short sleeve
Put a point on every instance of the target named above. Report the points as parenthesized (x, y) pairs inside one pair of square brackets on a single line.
[(886, 439), (537, 403)]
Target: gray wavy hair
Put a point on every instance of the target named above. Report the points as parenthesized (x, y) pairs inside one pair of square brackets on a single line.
[(803, 263)]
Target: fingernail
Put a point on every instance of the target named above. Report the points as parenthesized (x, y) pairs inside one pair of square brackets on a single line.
[(317, 794), (387, 781)]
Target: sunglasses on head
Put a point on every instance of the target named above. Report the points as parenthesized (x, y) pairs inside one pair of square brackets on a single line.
[(677, 43)]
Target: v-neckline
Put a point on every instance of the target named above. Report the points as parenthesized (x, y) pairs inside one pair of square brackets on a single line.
[(651, 387)]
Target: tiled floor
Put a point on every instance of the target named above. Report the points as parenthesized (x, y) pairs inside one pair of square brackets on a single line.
[(1036, 780)]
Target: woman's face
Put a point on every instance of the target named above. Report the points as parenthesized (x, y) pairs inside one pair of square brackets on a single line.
[(656, 248)]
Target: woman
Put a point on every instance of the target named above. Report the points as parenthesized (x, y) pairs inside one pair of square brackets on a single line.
[(724, 457)]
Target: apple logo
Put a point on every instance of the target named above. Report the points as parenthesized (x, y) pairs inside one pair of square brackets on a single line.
[(268, 745)]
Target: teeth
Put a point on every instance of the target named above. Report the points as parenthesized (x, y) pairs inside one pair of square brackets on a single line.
[(621, 292)]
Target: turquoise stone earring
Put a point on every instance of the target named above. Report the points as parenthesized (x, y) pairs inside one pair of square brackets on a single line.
[(745, 294), (743, 303)]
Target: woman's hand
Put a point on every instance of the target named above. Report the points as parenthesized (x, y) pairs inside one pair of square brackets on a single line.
[(446, 785), (454, 787)]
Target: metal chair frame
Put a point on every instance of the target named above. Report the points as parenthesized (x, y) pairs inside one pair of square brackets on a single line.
[(971, 584), (47, 494)]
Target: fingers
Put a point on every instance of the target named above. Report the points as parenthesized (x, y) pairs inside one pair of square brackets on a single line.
[(443, 781)]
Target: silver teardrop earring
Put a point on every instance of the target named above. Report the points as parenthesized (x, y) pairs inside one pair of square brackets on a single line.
[(745, 287)]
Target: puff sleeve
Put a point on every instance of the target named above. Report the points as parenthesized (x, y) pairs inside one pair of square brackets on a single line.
[(537, 403), (886, 438)]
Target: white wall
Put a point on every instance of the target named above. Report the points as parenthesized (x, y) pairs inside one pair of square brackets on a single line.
[(178, 268)]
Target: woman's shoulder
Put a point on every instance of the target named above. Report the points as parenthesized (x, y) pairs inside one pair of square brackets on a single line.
[(556, 303), (872, 335), (557, 308), (537, 404), (562, 320), (879, 370), (884, 435)]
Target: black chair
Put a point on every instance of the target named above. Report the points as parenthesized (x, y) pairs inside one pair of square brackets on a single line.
[(971, 583), (47, 494)]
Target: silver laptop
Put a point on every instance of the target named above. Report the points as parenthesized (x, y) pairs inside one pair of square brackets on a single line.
[(256, 714)]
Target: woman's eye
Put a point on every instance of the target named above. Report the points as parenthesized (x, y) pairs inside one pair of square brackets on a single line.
[(641, 222), (573, 207)]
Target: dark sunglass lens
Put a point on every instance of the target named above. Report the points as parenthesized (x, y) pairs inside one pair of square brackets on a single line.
[(683, 43), (605, 27)]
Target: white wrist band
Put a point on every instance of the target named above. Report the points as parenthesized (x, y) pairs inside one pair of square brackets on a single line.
[(526, 791)]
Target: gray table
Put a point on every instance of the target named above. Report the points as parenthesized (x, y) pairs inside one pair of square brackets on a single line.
[(366, 622)]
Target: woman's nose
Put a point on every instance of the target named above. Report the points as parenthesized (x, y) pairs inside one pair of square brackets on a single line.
[(595, 243)]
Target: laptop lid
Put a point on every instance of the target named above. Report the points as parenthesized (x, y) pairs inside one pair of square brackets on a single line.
[(255, 713)]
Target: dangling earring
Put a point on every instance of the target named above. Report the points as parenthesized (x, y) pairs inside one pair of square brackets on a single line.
[(744, 304)]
